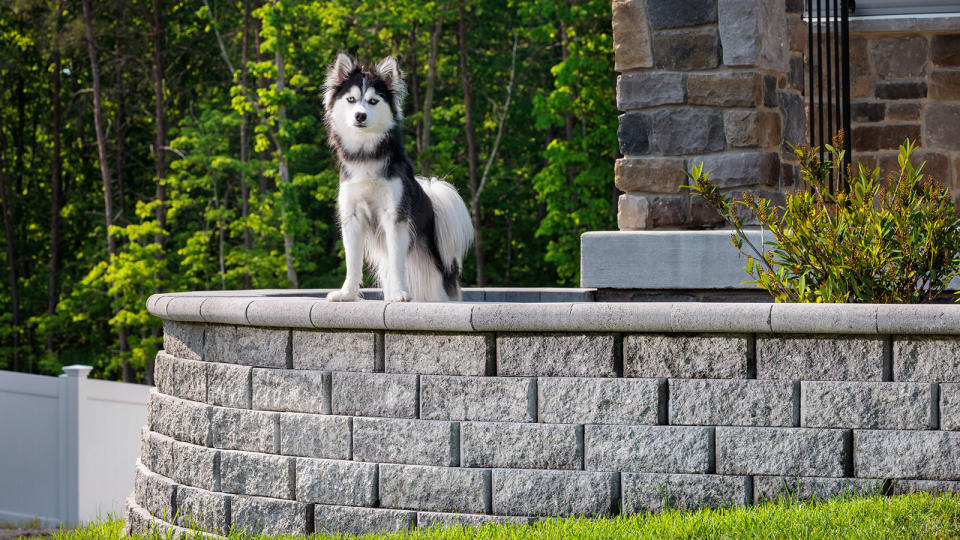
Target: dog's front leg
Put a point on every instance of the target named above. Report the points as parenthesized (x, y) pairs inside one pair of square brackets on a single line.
[(397, 235), (353, 250)]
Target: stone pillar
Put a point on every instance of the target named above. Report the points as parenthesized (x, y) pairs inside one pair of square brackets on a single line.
[(712, 81)]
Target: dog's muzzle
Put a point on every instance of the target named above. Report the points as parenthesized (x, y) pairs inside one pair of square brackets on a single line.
[(361, 119)]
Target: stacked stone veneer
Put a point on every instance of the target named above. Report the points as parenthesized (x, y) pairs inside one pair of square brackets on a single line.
[(289, 415), (711, 81)]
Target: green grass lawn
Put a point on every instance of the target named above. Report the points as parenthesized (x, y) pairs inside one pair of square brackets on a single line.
[(908, 516)]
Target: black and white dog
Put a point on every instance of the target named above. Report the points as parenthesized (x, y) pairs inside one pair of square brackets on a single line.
[(413, 231)]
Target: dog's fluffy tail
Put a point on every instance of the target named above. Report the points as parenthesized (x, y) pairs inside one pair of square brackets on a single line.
[(453, 228)]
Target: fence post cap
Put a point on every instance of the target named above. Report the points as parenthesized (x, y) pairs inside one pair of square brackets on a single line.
[(77, 370)]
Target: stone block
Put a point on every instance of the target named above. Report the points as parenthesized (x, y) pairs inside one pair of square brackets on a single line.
[(631, 35), (202, 510), (931, 455), (950, 406), (573, 400), (703, 215), (183, 339), (351, 315), (224, 309), (772, 488), (867, 405), (922, 358), (156, 453), (832, 358), (521, 446), (751, 129), (634, 133), (861, 71), (392, 395), (280, 312), (753, 33), (797, 73), (444, 316), (941, 126), (194, 466), (138, 519), (679, 13), (655, 492), (554, 493), (481, 399), (724, 89), (726, 317), (945, 50), (899, 57), (650, 175), (190, 380), (868, 111), (644, 89), (782, 451), (636, 212), (351, 521), (316, 436), (669, 449), (686, 50), (444, 520), (444, 489), (680, 131), (154, 493), (797, 318), (183, 420), (741, 169), (411, 442), (685, 356), (909, 112), (556, 355), (901, 487), (438, 354), (291, 390), (936, 165), (220, 344), (229, 385), (247, 473), (331, 481), (257, 516), (163, 373), (901, 90), (263, 347), (793, 111), (334, 351), (241, 429), (718, 402)]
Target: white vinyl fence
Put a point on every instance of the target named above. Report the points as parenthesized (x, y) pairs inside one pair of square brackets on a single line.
[(68, 445)]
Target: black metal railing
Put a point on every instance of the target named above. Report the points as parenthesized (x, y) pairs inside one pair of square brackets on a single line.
[(828, 61)]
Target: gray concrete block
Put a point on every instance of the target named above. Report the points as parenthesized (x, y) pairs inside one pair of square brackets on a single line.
[(367, 315), (444, 520), (183, 339), (228, 385), (199, 509), (901, 487), (225, 310), (263, 347), (291, 390), (719, 402), (254, 515), (909, 319), (241, 429), (429, 316), (826, 358), (331, 481), (190, 380), (375, 394), (334, 351), (314, 435), (554, 493), (620, 316), (811, 488), (523, 317), (950, 406), (257, 474), (571, 400), (138, 519), (351, 521), (185, 308), (720, 317), (183, 420), (163, 372), (482, 399), (412, 442), (521, 446), (933, 359), (194, 466), (156, 452), (671, 449), (220, 344), (867, 405), (289, 313), (443, 489), (655, 492), (932, 455), (797, 318), (782, 451), (556, 355), (154, 493), (671, 355), (438, 354), (650, 89)]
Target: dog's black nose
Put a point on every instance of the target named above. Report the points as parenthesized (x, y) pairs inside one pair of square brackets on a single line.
[(361, 116)]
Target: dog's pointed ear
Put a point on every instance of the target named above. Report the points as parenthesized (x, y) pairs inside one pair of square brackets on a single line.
[(341, 68), (389, 70)]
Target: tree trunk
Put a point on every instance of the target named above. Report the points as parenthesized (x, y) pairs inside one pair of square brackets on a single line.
[(471, 149), (431, 85), (283, 165), (9, 224), (245, 144), (56, 192), (160, 140)]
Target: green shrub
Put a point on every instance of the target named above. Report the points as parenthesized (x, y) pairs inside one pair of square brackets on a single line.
[(872, 241)]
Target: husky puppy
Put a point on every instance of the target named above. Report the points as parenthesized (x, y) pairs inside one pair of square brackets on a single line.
[(413, 231)]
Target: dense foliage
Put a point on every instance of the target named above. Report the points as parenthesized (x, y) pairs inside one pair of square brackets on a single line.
[(194, 129), (877, 240)]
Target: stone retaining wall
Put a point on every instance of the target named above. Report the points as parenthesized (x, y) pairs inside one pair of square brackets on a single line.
[(293, 415)]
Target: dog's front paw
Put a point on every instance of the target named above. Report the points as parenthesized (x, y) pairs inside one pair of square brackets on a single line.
[(343, 295), (400, 296)]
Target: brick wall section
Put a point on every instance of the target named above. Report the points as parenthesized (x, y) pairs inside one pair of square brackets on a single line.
[(603, 424), (705, 81)]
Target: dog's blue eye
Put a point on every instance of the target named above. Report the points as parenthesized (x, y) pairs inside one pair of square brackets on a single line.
[(351, 99), (373, 101)]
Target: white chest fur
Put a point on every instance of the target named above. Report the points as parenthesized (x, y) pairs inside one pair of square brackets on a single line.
[(365, 193)]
